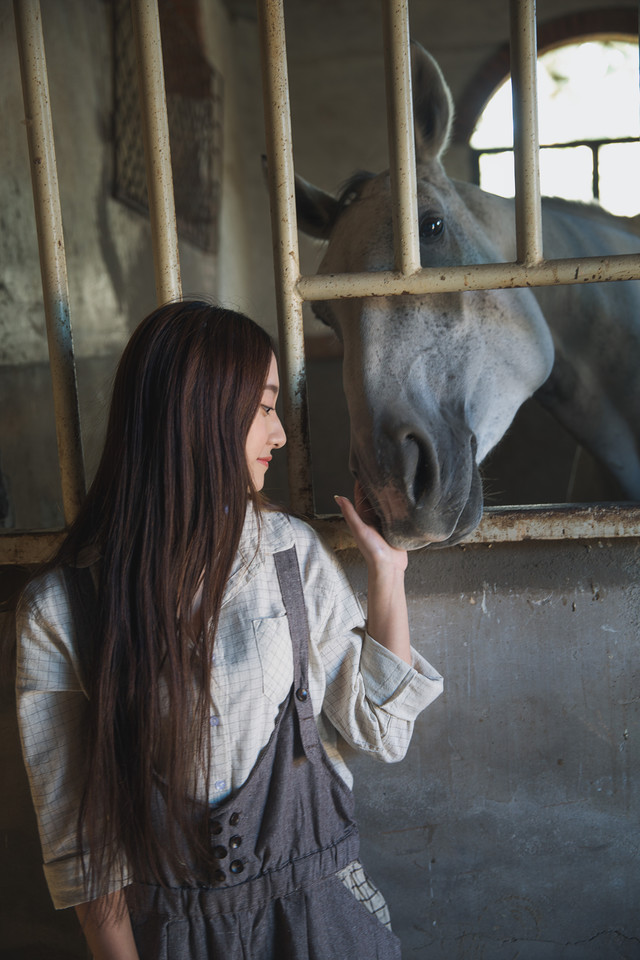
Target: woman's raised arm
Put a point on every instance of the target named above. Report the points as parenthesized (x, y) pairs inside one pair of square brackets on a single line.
[(387, 617)]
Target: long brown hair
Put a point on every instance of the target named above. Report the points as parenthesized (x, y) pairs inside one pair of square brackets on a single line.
[(166, 511)]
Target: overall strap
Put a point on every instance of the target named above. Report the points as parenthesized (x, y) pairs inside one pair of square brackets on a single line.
[(293, 597)]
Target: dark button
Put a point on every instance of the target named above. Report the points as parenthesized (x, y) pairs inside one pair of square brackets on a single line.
[(235, 842), (237, 866), (219, 876), (234, 819), (220, 852), (215, 827), (302, 694)]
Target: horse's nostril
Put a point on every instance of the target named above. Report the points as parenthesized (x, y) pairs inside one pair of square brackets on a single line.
[(418, 472)]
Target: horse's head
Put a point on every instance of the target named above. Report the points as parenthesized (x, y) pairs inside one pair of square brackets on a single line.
[(432, 381)]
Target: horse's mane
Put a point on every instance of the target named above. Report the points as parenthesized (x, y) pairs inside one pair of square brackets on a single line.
[(592, 211)]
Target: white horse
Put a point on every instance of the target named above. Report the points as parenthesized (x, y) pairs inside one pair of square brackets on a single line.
[(433, 381)]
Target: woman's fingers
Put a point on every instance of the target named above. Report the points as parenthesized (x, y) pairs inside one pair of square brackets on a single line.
[(375, 550)]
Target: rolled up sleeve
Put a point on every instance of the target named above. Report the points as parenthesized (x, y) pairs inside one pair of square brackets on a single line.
[(403, 690)]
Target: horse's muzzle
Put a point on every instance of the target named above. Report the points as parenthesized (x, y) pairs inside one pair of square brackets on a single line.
[(425, 491)]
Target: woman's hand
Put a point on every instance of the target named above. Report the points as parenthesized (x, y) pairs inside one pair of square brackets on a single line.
[(387, 618), (375, 550)]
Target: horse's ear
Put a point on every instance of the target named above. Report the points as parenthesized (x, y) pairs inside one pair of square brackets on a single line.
[(316, 209), (432, 105)]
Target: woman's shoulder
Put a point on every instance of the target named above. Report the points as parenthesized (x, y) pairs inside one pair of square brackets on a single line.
[(318, 563), (44, 622), (44, 590), (283, 530), (48, 588)]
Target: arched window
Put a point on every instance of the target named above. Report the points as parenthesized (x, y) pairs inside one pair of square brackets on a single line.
[(589, 120)]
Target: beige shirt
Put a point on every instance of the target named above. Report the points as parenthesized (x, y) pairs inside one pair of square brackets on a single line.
[(362, 693)]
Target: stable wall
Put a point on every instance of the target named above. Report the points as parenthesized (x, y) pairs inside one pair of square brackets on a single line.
[(512, 828)]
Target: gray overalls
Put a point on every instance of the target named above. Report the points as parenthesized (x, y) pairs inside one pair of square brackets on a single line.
[(273, 893)]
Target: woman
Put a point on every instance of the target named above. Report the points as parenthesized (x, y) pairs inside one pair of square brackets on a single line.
[(186, 665)]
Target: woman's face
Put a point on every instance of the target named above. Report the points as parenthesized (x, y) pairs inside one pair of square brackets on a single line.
[(266, 431)]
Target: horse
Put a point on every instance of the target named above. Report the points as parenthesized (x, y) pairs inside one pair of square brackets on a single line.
[(433, 381)]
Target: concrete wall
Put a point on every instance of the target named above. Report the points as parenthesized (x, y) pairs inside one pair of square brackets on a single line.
[(511, 829)]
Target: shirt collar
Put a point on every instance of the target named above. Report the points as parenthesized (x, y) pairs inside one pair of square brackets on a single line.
[(261, 537)]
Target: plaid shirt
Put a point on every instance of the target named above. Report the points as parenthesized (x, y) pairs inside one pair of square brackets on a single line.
[(360, 690)]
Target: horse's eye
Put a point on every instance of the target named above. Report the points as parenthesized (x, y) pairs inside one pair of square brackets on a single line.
[(431, 227)]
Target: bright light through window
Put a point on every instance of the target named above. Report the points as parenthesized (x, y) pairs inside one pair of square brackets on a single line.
[(497, 174), (567, 172), (586, 91), (619, 181)]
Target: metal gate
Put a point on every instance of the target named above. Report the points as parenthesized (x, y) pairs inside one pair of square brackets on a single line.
[(530, 268)]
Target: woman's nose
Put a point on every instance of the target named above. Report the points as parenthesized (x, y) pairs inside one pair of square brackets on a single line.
[(278, 437)]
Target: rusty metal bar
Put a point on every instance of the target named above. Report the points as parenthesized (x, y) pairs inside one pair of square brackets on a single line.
[(53, 266), (480, 276), (402, 152), (515, 524), (524, 81), (275, 85), (29, 547), (498, 525), (155, 128)]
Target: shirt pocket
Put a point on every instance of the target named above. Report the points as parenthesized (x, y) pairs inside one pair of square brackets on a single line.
[(273, 642)]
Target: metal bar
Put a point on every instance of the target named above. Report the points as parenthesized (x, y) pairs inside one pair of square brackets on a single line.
[(53, 267), (515, 524), (402, 151), (593, 144), (498, 525), (595, 182), (157, 151), (29, 546), (479, 276), (275, 86), (475, 165), (524, 62)]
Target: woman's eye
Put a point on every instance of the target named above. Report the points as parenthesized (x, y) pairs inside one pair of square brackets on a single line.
[(266, 409)]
